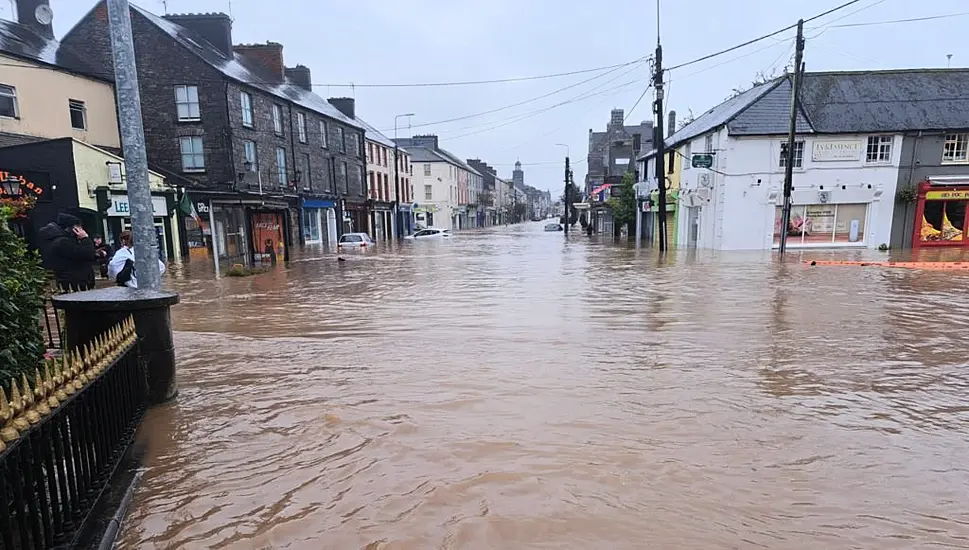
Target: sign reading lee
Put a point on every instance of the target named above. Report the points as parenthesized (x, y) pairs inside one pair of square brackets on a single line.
[(832, 151), (702, 161), (120, 207)]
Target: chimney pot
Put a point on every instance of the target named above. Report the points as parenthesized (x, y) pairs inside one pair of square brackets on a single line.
[(267, 58), (215, 28), (27, 16), (671, 126), (345, 105)]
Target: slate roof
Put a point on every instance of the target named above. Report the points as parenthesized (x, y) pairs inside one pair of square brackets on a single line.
[(20, 41), (423, 154), (374, 134), (237, 69), (887, 101), (842, 103)]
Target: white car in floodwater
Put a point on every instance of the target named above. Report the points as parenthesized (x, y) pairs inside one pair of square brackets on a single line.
[(350, 241), (429, 233)]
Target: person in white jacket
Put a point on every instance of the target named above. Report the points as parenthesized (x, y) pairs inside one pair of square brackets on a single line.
[(121, 268)]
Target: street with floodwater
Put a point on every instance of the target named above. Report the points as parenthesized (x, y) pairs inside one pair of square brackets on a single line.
[(511, 388)]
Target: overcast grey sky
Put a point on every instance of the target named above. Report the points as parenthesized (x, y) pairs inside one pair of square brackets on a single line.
[(395, 41)]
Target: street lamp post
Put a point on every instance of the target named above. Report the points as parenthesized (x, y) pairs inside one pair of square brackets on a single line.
[(565, 197), (397, 220)]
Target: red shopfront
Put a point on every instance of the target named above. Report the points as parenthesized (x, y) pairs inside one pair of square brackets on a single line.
[(941, 214), (269, 236)]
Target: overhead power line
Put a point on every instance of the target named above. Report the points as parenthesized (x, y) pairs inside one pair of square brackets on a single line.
[(894, 21), (478, 82), (760, 38)]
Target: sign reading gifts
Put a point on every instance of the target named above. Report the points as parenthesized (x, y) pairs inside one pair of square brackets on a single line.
[(120, 207), (828, 151)]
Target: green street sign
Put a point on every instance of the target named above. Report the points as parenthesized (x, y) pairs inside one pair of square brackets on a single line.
[(702, 161)]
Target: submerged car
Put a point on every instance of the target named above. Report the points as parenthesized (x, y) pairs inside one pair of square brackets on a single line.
[(430, 233), (554, 227), (355, 240)]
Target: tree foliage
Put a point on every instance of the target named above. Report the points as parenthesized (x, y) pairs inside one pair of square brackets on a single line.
[(762, 77), (22, 283), (623, 204)]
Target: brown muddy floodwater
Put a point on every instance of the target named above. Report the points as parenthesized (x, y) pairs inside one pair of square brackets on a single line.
[(509, 389)]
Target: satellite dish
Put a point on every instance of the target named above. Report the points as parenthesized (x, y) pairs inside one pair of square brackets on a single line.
[(44, 14)]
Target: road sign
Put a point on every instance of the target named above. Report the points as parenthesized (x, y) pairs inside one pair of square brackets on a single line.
[(702, 161)]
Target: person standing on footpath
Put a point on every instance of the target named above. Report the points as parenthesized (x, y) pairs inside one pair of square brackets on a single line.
[(121, 268), (68, 251), (104, 253)]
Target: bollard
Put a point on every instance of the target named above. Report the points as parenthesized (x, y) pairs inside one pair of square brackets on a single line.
[(90, 313)]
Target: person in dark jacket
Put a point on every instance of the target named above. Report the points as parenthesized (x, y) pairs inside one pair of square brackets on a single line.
[(68, 252), (104, 251)]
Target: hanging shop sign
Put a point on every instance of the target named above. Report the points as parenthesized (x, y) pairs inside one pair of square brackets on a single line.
[(120, 208)]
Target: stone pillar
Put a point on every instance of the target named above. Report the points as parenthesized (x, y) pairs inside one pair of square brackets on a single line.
[(90, 313)]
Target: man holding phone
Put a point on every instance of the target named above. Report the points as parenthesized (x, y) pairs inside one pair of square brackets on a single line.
[(68, 252)]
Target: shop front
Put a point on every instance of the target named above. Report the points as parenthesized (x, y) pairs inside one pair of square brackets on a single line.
[(354, 217), (941, 214), (115, 217), (424, 216), (382, 227), (318, 222), (269, 232), (406, 224), (823, 225)]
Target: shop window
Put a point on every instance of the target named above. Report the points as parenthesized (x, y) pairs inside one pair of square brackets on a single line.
[(311, 225), (956, 148), (943, 221), (821, 224), (798, 154)]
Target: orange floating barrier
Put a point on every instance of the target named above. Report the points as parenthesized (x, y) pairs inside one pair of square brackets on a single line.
[(933, 266)]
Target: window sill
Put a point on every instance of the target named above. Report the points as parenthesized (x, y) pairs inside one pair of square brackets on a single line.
[(193, 170), (190, 120), (10, 117), (878, 163), (954, 162), (78, 129), (248, 126)]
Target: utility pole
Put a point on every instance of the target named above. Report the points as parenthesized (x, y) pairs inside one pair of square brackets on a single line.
[(133, 143), (791, 131), (658, 137), (398, 221), (567, 172)]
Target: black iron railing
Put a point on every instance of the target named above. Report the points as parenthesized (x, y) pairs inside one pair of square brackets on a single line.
[(62, 436)]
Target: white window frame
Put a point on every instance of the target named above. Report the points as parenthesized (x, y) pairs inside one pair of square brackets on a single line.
[(708, 143), (77, 104), (195, 153), (278, 119), (798, 154), (188, 103), (341, 138), (688, 154), (955, 149), (428, 192), (9, 91), (427, 169), (323, 136), (879, 149), (248, 118), (282, 176), (301, 127), (251, 153)]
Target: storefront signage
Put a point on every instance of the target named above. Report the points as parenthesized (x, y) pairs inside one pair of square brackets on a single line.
[(702, 161), (947, 195), (202, 207), (25, 186), (832, 151), (120, 207)]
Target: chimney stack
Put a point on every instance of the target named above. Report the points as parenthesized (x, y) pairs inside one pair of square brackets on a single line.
[(35, 14), (215, 28), (266, 58), (671, 127), (300, 76), (345, 105)]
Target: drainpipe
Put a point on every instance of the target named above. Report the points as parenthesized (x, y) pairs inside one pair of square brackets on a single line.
[(911, 177), (299, 207)]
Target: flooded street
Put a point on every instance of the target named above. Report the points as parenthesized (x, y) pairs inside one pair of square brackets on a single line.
[(509, 389)]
